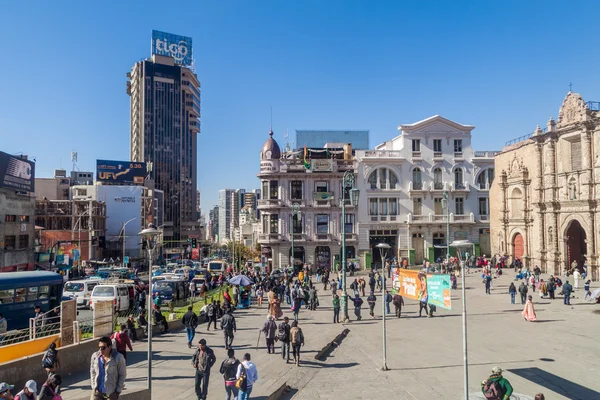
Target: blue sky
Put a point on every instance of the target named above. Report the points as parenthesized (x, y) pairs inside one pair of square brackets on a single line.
[(501, 66)]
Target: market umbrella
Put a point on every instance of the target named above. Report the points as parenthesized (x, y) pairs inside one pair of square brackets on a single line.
[(241, 280)]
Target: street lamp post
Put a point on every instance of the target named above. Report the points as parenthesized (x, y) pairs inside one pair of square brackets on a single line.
[(447, 206), (124, 225), (150, 234), (295, 213), (347, 183), (459, 244), (383, 249)]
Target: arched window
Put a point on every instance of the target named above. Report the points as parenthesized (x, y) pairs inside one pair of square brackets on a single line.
[(485, 179), (572, 189), (516, 203), (437, 179), (393, 179), (373, 180), (417, 182), (459, 182)]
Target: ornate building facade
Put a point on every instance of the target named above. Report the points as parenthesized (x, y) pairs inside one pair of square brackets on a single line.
[(311, 180), (546, 195), (404, 182)]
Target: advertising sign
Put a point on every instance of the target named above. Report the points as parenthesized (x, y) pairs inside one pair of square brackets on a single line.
[(321, 165), (322, 196), (195, 254), (120, 172), (269, 166), (170, 45), (16, 173), (412, 284), (438, 290)]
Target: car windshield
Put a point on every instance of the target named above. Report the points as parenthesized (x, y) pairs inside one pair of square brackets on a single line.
[(162, 286), (104, 291), (74, 287)]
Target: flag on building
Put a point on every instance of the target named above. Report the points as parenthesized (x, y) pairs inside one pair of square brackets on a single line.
[(306, 163)]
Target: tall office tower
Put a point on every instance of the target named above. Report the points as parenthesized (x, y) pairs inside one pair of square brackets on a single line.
[(225, 214), (250, 200), (165, 121), (213, 216), (238, 201)]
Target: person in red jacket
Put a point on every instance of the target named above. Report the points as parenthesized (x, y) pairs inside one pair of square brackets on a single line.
[(122, 341)]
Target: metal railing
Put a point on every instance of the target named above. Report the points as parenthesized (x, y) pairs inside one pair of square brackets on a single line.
[(593, 105)]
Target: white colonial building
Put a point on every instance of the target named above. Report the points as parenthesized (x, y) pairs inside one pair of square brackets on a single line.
[(403, 183), (315, 186)]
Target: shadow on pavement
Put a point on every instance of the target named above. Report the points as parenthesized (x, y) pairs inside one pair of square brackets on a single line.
[(557, 384)]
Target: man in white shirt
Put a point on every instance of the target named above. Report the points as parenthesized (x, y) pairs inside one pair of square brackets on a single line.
[(248, 368)]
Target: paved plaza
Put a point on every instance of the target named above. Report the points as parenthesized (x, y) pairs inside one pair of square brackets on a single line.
[(557, 355)]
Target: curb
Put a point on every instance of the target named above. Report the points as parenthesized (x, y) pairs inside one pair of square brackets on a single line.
[(332, 345)]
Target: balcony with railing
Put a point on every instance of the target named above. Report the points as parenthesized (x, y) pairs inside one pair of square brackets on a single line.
[(416, 155), (323, 237), (384, 218), (483, 186), (484, 218), (465, 218), (383, 154), (459, 186), (438, 156), (441, 186), (485, 154), (417, 186), (269, 237), (458, 155), (269, 203)]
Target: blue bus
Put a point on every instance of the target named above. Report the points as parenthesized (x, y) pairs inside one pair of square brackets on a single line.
[(21, 291)]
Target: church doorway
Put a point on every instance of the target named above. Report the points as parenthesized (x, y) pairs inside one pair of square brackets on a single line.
[(518, 246), (575, 238)]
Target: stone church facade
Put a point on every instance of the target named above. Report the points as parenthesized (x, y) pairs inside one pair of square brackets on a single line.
[(546, 192)]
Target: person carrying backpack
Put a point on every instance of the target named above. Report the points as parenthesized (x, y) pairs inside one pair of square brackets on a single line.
[(496, 387), (228, 369), (190, 321), (283, 334), (297, 338), (50, 360)]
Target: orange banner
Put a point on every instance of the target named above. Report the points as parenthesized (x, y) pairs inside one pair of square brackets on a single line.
[(411, 284)]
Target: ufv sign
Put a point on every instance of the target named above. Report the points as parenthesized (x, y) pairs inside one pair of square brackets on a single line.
[(178, 47)]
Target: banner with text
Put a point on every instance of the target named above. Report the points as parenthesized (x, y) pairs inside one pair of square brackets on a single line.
[(438, 290), (411, 284)]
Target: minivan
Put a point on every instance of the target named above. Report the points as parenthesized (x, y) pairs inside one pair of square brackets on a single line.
[(118, 293), (80, 290)]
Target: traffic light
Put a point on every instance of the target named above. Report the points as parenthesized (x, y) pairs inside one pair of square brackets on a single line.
[(194, 243)]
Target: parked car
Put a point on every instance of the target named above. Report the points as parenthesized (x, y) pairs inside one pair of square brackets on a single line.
[(81, 290), (120, 294)]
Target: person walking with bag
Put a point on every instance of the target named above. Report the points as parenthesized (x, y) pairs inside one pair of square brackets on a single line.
[(269, 329), (121, 341), (50, 360), (297, 339), (228, 369), (246, 375), (283, 334), (203, 360), (50, 389), (190, 321)]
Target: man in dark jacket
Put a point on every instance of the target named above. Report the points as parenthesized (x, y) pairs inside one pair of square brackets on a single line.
[(567, 290), (398, 303), (371, 300), (211, 315), (496, 386), (283, 334), (269, 329), (523, 291), (190, 321), (203, 360), (228, 369), (228, 327)]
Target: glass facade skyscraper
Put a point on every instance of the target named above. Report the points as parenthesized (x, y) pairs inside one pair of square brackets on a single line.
[(165, 121)]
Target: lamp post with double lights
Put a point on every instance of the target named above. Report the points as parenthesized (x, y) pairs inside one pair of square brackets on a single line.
[(459, 245), (295, 214), (383, 249), (347, 186), (150, 234)]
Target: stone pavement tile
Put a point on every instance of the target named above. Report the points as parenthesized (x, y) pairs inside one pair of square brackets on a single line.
[(173, 376), (555, 355)]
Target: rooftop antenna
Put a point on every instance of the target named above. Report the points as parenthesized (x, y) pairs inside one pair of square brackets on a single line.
[(287, 143), (74, 160), (271, 118), (570, 87)]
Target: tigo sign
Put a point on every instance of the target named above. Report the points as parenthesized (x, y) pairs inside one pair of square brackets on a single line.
[(178, 47)]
